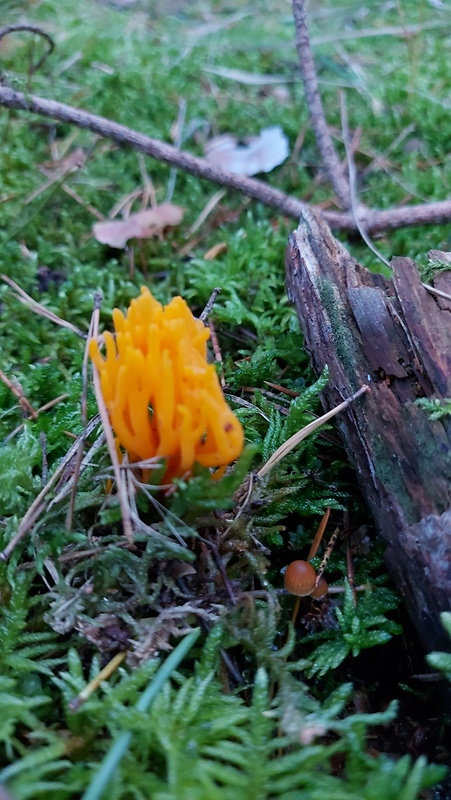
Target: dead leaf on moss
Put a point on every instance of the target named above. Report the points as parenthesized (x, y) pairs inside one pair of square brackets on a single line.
[(215, 251), (142, 225), (257, 154)]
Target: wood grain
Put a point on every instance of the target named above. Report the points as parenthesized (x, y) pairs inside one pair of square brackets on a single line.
[(393, 335)]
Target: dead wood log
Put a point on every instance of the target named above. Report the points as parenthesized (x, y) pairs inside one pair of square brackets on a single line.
[(393, 335)]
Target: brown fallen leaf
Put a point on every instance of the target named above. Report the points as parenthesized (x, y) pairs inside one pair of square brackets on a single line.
[(215, 251), (259, 153), (143, 225)]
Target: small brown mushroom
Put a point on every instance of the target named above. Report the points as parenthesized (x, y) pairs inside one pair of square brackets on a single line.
[(300, 578), (320, 590)]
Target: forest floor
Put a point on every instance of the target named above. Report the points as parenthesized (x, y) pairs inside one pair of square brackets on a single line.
[(342, 703)]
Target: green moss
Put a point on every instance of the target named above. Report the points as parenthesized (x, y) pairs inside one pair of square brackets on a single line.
[(341, 335)]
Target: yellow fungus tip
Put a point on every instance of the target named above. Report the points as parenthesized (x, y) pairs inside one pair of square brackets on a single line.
[(163, 398)]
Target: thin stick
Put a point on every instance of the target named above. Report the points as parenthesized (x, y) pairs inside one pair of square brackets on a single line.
[(299, 436), (210, 303), (436, 292), (323, 138), (374, 221), (327, 555), (17, 392), (45, 464), (216, 351), (319, 535), (91, 687)]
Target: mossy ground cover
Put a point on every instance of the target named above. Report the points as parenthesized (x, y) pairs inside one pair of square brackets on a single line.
[(249, 714)]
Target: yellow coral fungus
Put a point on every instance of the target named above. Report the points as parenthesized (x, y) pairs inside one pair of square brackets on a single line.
[(163, 398)]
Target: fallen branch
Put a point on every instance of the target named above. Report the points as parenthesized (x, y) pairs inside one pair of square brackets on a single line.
[(313, 98), (374, 221), (395, 336)]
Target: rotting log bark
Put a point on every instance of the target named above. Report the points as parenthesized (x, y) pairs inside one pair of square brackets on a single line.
[(394, 336)]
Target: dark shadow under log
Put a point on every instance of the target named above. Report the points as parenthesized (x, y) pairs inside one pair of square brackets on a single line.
[(395, 337)]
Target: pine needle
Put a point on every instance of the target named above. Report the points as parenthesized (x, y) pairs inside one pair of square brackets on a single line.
[(299, 436), (91, 687), (102, 779), (38, 308)]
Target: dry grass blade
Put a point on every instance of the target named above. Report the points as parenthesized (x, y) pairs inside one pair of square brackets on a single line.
[(93, 329), (32, 515), (67, 488), (17, 392), (369, 33), (75, 196), (436, 292), (217, 197), (45, 407), (121, 485), (25, 298), (319, 534), (40, 503), (298, 437), (353, 181)]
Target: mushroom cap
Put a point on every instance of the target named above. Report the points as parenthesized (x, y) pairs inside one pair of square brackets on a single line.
[(320, 590), (300, 578)]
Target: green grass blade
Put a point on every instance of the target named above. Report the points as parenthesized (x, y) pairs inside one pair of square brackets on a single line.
[(120, 746)]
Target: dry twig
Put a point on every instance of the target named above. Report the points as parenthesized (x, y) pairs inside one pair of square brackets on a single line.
[(323, 138), (38, 411), (31, 29), (374, 221), (210, 303), (17, 391)]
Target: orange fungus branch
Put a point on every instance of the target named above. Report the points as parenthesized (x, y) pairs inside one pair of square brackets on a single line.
[(163, 398)]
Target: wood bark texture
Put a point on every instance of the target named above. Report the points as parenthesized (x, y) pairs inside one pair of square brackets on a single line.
[(395, 337)]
